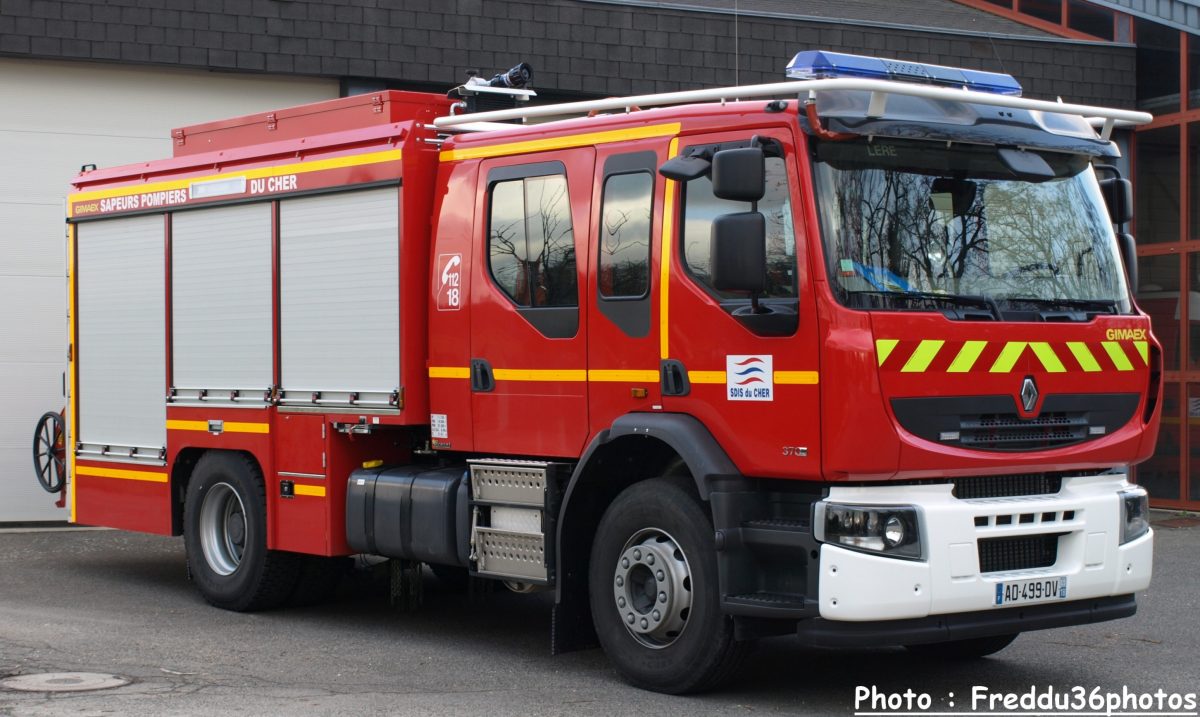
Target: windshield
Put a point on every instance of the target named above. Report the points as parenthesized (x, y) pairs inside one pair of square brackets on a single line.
[(914, 226)]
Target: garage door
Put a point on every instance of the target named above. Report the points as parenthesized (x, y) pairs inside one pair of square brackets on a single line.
[(44, 139)]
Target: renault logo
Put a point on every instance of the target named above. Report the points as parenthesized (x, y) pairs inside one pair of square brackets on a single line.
[(1029, 394)]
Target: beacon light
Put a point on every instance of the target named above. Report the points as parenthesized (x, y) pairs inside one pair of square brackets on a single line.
[(820, 64)]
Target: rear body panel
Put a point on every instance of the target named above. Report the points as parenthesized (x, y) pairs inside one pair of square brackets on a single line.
[(257, 166)]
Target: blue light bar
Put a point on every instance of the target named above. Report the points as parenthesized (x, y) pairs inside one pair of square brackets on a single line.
[(819, 64)]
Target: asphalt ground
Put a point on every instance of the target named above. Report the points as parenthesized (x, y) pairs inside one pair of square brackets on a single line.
[(121, 603)]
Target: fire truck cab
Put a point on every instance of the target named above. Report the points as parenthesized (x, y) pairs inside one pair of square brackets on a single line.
[(852, 356)]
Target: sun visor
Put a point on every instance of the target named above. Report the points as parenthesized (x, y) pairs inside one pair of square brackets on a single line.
[(920, 118)]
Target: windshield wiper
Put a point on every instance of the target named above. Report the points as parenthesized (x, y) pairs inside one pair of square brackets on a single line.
[(1087, 306), (922, 299)]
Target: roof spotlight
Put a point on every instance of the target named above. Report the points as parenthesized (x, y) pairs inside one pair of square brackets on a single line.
[(503, 91), (516, 78)]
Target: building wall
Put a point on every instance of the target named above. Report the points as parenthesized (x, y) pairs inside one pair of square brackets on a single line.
[(56, 116), (1167, 225), (601, 48)]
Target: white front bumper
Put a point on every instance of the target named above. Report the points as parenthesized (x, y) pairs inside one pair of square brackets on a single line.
[(857, 586)]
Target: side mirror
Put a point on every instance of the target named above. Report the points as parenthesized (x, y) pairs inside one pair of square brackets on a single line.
[(1118, 195), (1128, 249), (739, 252), (739, 174)]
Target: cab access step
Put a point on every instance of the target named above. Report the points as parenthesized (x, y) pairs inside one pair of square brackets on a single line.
[(764, 555)]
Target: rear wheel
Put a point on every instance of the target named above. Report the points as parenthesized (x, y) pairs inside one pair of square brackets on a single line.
[(654, 594), (963, 649), (225, 534)]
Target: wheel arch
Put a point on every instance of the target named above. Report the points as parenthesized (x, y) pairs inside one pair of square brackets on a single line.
[(636, 447), (181, 474)]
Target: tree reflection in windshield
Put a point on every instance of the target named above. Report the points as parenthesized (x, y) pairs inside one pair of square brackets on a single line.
[(934, 221)]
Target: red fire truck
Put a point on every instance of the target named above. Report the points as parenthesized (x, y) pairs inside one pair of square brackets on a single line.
[(851, 356)]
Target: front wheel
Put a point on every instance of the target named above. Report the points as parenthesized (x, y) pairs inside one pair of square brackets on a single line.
[(225, 534), (654, 594), (963, 649)]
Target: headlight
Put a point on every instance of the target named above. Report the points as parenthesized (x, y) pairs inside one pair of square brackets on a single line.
[(892, 530), (1135, 514)]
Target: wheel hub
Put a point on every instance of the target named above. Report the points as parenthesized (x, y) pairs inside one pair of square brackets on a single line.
[(652, 588), (223, 529), (237, 529)]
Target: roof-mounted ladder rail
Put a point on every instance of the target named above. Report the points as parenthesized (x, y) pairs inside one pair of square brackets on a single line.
[(879, 89)]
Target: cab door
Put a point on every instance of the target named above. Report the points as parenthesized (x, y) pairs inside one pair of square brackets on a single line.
[(751, 379), (623, 374), (528, 370)]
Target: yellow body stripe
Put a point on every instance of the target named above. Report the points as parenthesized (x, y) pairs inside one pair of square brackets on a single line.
[(586, 139), (1117, 354), (316, 165), (1143, 349), (622, 375), (314, 490), (1046, 355), (803, 378), (72, 424), (884, 348), (664, 270), (1084, 356), (121, 473), (599, 376), (538, 374), (1008, 357), (926, 352), (967, 356), (226, 427)]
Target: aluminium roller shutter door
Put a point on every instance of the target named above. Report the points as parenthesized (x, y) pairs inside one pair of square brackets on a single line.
[(122, 333), (339, 295)]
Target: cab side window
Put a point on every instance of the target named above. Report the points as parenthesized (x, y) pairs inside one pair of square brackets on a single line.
[(531, 245), (531, 242), (625, 235), (624, 224)]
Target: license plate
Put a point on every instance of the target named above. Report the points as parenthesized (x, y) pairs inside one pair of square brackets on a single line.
[(1018, 592)]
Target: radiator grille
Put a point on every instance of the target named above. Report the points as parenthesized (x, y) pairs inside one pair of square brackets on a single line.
[(992, 423), (1021, 553), (1007, 486), (1010, 432)]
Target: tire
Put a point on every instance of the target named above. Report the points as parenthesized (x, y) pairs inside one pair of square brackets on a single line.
[(225, 535), (687, 645), (963, 649)]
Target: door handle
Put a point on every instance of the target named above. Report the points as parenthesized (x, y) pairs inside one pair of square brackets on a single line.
[(482, 379), (674, 378)]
